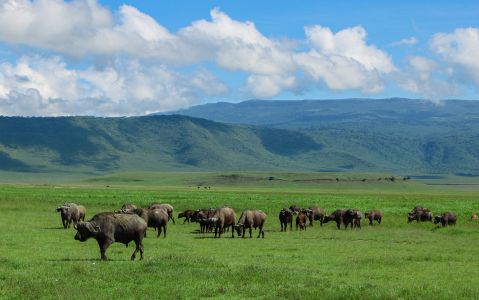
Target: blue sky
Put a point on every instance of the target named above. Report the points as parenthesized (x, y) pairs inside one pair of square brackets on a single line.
[(86, 57)]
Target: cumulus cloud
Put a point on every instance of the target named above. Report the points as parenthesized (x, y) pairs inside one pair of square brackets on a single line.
[(344, 60), (460, 49), (122, 88), (425, 77), (141, 60)]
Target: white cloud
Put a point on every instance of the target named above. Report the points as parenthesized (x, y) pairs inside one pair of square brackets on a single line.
[(124, 88), (460, 49), (405, 42), (343, 60), (427, 78)]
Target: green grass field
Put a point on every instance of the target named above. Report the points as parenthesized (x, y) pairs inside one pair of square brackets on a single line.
[(39, 259)]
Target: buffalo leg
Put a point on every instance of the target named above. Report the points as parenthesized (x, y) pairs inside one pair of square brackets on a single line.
[(164, 231), (103, 246), (338, 224), (260, 231), (172, 219), (64, 223), (159, 232), (139, 247), (250, 232)]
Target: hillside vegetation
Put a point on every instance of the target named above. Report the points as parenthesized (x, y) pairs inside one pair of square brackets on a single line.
[(402, 137)]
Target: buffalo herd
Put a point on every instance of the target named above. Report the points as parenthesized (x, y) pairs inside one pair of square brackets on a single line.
[(130, 223)]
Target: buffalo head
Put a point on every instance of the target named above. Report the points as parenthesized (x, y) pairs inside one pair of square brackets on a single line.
[(85, 230)]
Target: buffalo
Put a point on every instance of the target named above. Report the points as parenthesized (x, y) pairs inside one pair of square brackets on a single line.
[(71, 212), (294, 209), (154, 218), (250, 219), (446, 218), (127, 207), (107, 228), (301, 219), (357, 218), (374, 215), (203, 216), (187, 214), (285, 218), (344, 216), (225, 217), (315, 214), (165, 206), (420, 214)]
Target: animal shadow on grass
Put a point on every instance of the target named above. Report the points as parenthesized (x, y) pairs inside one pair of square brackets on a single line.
[(86, 260)]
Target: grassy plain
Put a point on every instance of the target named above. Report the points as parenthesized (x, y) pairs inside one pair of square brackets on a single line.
[(39, 259)]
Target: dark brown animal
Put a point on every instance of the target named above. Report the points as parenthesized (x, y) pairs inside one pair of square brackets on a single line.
[(108, 228), (251, 219), (447, 218), (285, 218), (165, 206), (187, 214), (420, 214), (294, 209), (203, 216), (316, 214), (71, 212), (224, 217), (301, 220), (374, 215), (357, 218), (341, 216)]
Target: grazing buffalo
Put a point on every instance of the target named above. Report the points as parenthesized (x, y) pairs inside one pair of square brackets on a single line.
[(301, 220), (108, 228), (285, 218), (420, 214), (374, 215), (474, 217), (187, 214), (315, 214), (447, 218), (127, 207), (251, 219), (154, 218), (225, 217), (71, 212), (165, 206), (344, 216), (294, 209)]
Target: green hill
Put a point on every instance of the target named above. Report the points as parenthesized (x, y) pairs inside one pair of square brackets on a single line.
[(410, 137)]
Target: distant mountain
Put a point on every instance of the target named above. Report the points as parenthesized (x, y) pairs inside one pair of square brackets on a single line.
[(84, 144), (318, 113), (393, 135)]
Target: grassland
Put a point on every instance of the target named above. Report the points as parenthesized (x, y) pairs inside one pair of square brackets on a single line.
[(39, 259)]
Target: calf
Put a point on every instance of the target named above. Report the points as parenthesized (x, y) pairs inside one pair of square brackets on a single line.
[(71, 212), (301, 219)]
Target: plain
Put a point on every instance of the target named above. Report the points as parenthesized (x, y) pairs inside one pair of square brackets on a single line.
[(39, 259)]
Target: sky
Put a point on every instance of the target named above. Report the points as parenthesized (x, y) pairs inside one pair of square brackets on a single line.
[(125, 58)]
